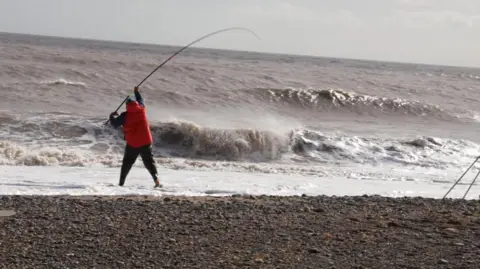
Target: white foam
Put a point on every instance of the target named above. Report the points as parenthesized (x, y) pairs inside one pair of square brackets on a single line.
[(62, 81), (14, 154), (58, 180), (420, 151)]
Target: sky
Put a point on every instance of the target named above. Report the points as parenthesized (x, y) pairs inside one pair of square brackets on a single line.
[(443, 32)]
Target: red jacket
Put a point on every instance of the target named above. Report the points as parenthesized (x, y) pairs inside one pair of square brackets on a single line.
[(136, 128)]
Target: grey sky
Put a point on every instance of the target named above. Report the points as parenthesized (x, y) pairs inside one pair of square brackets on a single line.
[(426, 31)]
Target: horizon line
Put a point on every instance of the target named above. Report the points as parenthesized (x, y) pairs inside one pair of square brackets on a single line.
[(129, 42)]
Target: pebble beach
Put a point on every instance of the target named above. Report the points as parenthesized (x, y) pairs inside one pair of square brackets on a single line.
[(238, 232)]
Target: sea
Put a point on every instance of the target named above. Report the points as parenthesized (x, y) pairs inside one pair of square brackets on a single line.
[(233, 122)]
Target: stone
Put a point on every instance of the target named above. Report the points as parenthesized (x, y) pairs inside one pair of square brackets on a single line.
[(6, 213)]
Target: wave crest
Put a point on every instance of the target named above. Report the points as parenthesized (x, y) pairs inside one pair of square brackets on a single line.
[(190, 140), (62, 81), (335, 99)]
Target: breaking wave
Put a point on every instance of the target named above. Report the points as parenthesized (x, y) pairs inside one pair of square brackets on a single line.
[(71, 141), (190, 140), (325, 99)]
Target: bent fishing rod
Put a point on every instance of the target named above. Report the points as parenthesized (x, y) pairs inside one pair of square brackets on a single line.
[(182, 49)]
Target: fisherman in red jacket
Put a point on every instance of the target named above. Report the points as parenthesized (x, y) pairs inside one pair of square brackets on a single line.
[(137, 135)]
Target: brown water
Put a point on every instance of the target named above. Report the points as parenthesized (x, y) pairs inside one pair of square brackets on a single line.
[(228, 105)]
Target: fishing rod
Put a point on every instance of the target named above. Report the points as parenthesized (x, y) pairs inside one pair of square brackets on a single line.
[(182, 49)]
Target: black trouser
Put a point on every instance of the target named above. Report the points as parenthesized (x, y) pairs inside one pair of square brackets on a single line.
[(130, 157)]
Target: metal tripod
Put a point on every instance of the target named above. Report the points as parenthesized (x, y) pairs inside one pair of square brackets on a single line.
[(471, 184)]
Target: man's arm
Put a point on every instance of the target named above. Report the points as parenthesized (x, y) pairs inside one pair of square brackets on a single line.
[(118, 121), (138, 97)]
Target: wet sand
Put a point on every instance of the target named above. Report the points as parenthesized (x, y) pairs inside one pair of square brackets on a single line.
[(238, 232)]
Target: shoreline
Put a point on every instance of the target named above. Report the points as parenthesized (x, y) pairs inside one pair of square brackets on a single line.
[(238, 196), (141, 231)]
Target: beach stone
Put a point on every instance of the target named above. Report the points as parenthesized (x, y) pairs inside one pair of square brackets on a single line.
[(6, 213), (453, 230), (318, 210)]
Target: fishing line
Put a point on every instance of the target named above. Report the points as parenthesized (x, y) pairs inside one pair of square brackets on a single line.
[(182, 49)]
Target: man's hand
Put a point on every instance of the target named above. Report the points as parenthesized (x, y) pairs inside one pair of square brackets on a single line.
[(114, 113), (135, 89)]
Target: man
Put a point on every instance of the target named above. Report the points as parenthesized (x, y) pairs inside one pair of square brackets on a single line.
[(137, 136)]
